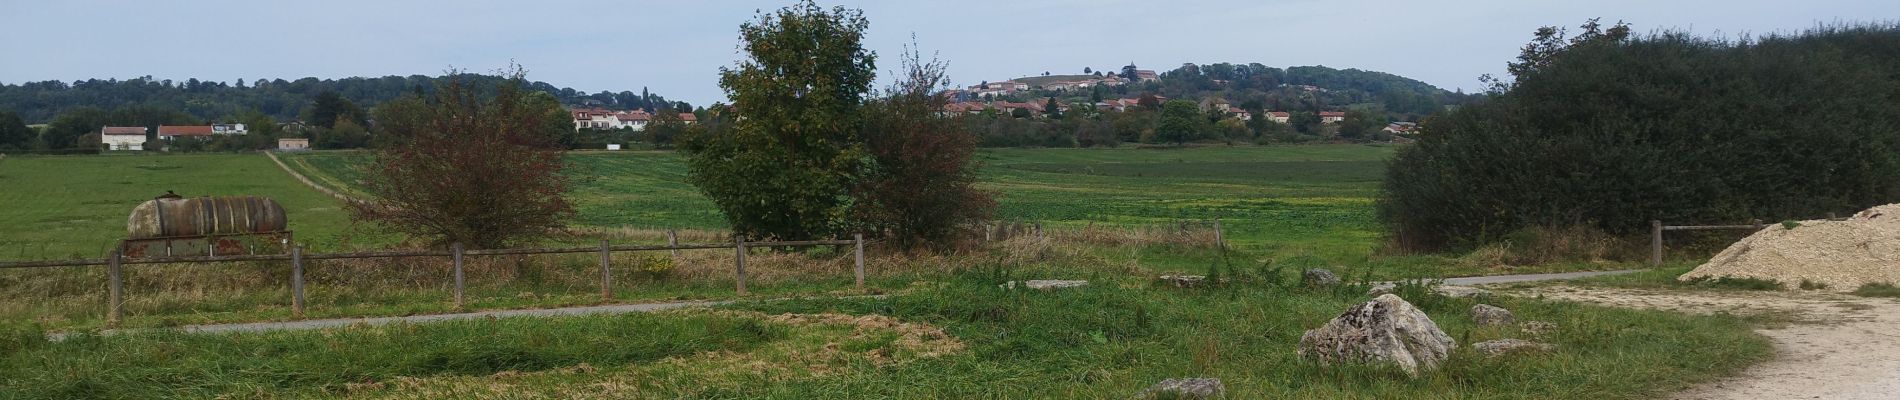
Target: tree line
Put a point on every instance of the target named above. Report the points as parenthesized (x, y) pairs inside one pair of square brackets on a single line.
[(1606, 130)]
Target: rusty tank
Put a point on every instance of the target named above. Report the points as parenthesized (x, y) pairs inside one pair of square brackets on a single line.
[(172, 225)]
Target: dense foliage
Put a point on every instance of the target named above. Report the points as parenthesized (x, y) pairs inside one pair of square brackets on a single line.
[(39, 102), (1610, 131), (463, 167), (783, 168), (919, 186)]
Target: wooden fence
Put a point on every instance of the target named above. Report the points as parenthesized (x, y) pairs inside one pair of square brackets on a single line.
[(1656, 229), (115, 280)]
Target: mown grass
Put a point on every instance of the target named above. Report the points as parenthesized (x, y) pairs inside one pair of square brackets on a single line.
[(1106, 340)]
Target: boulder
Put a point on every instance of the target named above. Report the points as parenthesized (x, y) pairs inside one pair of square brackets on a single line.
[(1184, 281), (1498, 347), (1382, 288), (1045, 284), (1490, 315), (1319, 277), (1184, 388), (1539, 328), (1384, 330)]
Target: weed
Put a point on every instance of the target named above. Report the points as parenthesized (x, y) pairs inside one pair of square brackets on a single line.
[(1812, 285), (1790, 224), (1736, 283)]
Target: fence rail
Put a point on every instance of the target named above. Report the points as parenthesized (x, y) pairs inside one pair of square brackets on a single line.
[(115, 262), (1656, 229)]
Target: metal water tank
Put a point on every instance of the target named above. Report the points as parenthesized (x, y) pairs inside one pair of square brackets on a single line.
[(173, 217)]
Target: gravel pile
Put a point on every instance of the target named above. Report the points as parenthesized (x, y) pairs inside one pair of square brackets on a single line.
[(1843, 255)]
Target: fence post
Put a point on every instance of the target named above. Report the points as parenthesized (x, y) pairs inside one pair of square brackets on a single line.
[(457, 250), (738, 244), (1218, 239), (1655, 242), (859, 238), (115, 290), (1830, 216), (1757, 223), (606, 273), (989, 233), (296, 281), (673, 240)]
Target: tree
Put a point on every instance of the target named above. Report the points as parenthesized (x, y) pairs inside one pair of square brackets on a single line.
[(1087, 70), (664, 128), (1180, 120), (1129, 71), (482, 171), (329, 107), (14, 134), (919, 186), (1361, 124), (783, 167), (1052, 109), (64, 133), (1149, 101), (1304, 122)]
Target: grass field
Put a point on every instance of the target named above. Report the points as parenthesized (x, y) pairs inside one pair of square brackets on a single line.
[(1284, 209), (1307, 200), (1107, 340)]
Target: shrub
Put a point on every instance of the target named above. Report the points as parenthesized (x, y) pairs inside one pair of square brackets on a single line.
[(1878, 289), (1610, 132)]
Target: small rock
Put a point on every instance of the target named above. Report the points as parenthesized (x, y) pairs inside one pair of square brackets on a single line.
[(1539, 328), (1184, 281), (1045, 284), (1382, 288), (1386, 329), (1319, 277), (1490, 315), (1184, 388), (1498, 347)]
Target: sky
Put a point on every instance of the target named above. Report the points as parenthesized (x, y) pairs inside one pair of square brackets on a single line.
[(675, 48)]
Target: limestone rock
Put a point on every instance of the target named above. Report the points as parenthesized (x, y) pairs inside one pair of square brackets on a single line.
[(1382, 288), (1045, 284), (1319, 277), (1184, 281), (1539, 328), (1459, 291), (1498, 347), (1384, 330), (1490, 315), (1184, 388)]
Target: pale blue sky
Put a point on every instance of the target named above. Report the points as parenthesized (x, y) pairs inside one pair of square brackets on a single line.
[(676, 47)]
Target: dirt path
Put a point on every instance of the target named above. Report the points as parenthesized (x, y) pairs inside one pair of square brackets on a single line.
[(1839, 347)]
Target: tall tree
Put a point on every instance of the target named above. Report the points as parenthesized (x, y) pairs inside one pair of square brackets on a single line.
[(1180, 120), (1052, 109), (485, 171), (330, 106), (918, 187), (14, 134), (782, 168)]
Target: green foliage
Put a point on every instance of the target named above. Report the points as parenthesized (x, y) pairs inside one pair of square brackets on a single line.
[(1180, 121), (329, 108), (1736, 283), (1812, 285), (1361, 125), (1612, 133), (918, 187), (14, 135), (1790, 224), (781, 170)]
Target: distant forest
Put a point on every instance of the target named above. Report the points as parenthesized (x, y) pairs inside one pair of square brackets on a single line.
[(40, 102)]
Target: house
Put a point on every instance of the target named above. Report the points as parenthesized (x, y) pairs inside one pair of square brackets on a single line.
[(228, 129), (1144, 75), (1239, 113), (293, 144), (1279, 116), (1214, 103), (128, 138), (1328, 117), (1401, 127), (636, 120), (173, 132)]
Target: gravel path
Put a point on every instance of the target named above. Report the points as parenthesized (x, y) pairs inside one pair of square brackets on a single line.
[(1840, 347)]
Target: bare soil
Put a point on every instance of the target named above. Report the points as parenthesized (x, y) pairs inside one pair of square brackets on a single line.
[(1834, 346)]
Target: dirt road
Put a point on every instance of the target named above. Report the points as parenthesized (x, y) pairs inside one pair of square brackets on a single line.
[(1839, 347)]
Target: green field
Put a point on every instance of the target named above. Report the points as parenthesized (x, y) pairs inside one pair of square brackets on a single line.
[(1306, 200)]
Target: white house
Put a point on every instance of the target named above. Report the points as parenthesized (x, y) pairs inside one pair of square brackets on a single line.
[(129, 138), (1330, 117), (228, 129), (1279, 116)]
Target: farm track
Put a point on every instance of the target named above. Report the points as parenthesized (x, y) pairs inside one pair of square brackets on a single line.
[(1837, 347)]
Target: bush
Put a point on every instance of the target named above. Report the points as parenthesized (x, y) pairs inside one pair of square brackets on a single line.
[(1609, 132)]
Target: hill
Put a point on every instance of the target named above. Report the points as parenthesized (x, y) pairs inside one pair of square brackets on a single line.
[(39, 102), (1253, 85)]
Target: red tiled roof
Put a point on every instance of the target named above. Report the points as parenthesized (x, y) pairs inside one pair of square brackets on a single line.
[(186, 130), (689, 117), (123, 130), (1331, 114), (1280, 114)]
